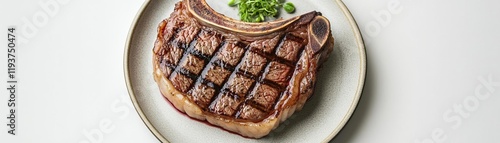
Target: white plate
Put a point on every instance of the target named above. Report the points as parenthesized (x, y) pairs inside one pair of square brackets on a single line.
[(338, 89)]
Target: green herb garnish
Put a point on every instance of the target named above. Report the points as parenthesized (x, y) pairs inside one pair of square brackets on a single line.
[(289, 7), (258, 10), (232, 3)]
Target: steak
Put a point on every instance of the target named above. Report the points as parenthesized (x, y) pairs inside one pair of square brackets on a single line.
[(243, 77)]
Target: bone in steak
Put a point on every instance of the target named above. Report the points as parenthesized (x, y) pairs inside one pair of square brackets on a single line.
[(243, 77)]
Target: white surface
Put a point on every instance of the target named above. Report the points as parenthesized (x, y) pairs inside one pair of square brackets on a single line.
[(421, 63)]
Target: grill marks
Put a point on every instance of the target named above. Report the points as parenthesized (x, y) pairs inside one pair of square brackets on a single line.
[(230, 78)]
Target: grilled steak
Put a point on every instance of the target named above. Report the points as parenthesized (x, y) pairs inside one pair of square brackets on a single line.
[(243, 77)]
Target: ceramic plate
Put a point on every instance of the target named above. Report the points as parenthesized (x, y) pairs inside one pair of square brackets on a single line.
[(338, 89)]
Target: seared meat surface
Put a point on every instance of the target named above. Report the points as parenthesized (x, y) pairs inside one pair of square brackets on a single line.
[(242, 81)]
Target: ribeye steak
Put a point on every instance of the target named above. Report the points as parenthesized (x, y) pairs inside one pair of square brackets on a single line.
[(243, 77)]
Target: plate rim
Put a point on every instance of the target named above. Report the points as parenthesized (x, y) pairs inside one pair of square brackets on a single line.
[(343, 122)]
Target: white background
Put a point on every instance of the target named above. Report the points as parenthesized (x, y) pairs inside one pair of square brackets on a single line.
[(429, 62)]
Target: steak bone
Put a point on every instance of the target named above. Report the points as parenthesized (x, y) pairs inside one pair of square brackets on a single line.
[(318, 29)]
